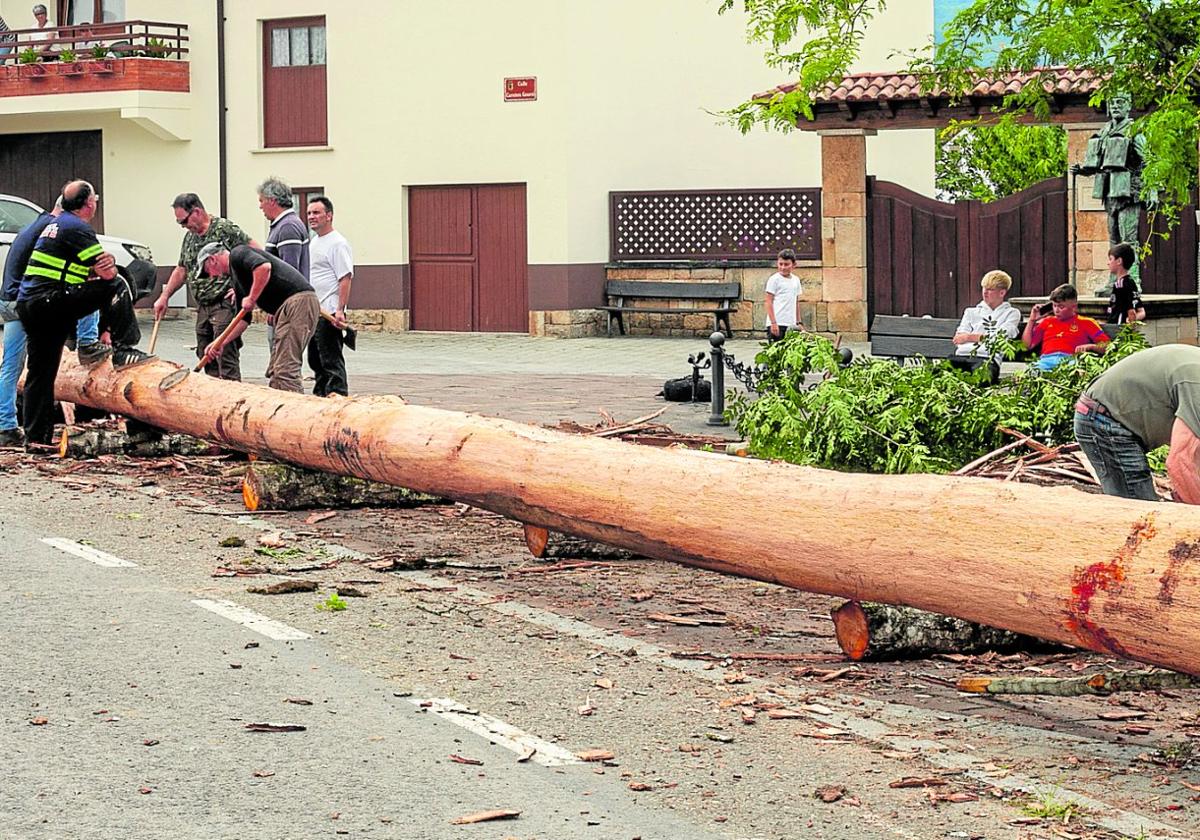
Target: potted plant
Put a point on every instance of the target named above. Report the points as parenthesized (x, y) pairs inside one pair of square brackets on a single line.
[(155, 48), (101, 59), (29, 64), (70, 62)]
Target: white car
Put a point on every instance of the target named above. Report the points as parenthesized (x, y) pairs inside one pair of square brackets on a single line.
[(16, 213)]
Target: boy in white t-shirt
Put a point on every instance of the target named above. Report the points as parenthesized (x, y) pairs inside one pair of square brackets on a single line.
[(783, 298)]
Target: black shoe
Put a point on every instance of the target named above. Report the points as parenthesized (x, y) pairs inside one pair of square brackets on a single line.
[(127, 357), (93, 353), (71, 344), (11, 437)]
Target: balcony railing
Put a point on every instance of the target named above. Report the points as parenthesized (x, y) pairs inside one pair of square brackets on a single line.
[(116, 39)]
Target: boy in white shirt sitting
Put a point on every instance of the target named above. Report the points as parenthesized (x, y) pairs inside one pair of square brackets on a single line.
[(980, 322), (783, 298)]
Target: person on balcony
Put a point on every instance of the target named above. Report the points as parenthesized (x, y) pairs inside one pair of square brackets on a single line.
[(39, 41), (8, 41)]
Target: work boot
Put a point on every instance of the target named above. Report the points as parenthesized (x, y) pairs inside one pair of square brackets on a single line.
[(127, 357), (93, 353), (11, 437)]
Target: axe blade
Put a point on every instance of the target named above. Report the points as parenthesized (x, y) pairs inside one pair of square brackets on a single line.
[(350, 338)]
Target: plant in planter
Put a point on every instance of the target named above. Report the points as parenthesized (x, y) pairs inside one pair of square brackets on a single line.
[(29, 63), (100, 51), (70, 63), (155, 48)]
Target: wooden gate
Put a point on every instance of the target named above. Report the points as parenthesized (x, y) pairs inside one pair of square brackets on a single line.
[(1170, 268), (925, 257), (35, 166), (468, 258)]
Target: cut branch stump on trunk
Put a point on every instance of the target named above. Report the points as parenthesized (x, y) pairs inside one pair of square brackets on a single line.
[(550, 545), (867, 631), (271, 486)]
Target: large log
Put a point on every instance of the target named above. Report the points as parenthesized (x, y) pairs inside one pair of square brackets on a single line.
[(1112, 575)]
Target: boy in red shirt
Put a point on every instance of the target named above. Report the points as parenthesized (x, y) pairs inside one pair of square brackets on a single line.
[(1063, 334)]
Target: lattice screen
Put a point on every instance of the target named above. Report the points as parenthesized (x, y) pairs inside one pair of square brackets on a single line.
[(718, 224)]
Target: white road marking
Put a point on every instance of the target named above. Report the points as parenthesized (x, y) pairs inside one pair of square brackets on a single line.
[(498, 732), (251, 620), (95, 555)]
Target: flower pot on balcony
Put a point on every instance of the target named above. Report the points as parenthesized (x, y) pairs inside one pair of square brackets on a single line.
[(102, 65), (31, 71), (74, 68)]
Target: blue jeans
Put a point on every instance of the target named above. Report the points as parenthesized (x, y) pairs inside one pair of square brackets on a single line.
[(87, 330), (1117, 456)]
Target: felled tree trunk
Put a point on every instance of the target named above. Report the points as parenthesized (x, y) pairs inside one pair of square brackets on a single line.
[(268, 486), (867, 631), (80, 443), (545, 544), (1123, 579)]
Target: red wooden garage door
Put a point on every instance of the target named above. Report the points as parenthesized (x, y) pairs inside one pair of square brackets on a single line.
[(468, 258)]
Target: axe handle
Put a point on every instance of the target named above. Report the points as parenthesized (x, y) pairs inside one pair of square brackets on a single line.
[(154, 335), (225, 333)]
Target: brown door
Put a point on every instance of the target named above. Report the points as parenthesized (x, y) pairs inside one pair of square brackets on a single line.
[(35, 166), (295, 110), (468, 258)]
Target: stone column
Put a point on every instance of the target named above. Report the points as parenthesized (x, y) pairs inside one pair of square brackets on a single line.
[(1087, 231), (844, 230)]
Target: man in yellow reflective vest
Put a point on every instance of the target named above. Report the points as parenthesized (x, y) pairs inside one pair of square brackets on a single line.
[(68, 276)]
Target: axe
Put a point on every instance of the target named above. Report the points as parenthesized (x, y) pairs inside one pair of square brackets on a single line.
[(349, 334)]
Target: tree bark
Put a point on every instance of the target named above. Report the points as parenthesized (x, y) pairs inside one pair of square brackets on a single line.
[(268, 486), (874, 632), (1120, 577)]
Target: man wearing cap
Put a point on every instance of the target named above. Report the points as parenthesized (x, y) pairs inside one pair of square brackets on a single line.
[(1144, 401), (68, 276), (279, 290), (214, 305)]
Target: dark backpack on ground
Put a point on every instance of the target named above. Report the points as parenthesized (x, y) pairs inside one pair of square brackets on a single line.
[(680, 390)]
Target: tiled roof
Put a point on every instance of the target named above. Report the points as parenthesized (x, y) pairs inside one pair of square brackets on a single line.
[(896, 87)]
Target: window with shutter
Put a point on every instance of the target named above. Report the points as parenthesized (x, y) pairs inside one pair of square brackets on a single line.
[(294, 93)]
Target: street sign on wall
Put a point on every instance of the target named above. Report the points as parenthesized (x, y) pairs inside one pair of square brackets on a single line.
[(520, 89)]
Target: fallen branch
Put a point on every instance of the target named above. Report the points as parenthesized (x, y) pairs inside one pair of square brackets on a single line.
[(1101, 684), (867, 631)]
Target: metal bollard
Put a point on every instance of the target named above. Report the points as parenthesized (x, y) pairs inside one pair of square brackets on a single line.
[(717, 416)]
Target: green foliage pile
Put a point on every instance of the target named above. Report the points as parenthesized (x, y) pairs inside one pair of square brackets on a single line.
[(879, 416)]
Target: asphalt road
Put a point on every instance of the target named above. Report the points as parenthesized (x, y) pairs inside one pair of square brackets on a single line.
[(146, 697)]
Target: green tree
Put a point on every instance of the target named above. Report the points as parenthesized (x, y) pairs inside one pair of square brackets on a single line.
[(987, 162), (1149, 48)]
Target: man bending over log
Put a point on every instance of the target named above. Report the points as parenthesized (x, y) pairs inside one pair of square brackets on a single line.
[(278, 289), (68, 276), (1144, 401)]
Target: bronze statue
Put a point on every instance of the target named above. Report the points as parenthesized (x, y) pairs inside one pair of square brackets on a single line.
[(1116, 156)]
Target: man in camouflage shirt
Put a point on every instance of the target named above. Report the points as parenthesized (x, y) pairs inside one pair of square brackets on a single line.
[(214, 302)]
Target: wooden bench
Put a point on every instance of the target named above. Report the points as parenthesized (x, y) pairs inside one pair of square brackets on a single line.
[(901, 336), (623, 296)]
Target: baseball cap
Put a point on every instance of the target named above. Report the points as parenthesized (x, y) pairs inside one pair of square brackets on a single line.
[(209, 250)]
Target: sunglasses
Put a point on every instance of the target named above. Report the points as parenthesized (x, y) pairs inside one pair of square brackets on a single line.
[(183, 222)]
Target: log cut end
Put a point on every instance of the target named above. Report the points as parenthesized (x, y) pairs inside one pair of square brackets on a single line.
[(536, 540), (249, 494), (974, 685), (852, 628)]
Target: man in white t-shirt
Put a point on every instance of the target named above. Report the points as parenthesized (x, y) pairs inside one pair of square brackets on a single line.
[(783, 298), (331, 270)]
